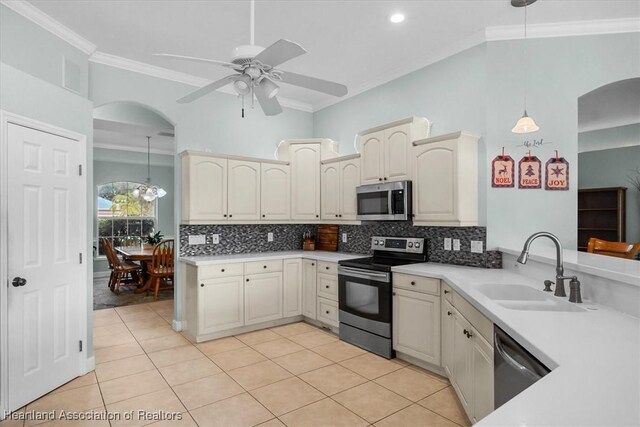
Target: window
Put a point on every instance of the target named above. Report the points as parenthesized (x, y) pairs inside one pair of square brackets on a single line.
[(123, 218)]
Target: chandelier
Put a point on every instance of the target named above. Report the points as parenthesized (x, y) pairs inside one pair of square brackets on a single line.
[(147, 191)]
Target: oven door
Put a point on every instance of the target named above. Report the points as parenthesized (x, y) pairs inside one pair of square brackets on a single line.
[(365, 299)]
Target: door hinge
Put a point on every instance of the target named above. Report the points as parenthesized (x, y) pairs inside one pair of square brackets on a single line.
[(80, 257), (80, 345), (80, 170)]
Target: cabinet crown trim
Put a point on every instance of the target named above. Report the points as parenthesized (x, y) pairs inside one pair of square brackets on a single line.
[(447, 137), (411, 119), (340, 159), (187, 153)]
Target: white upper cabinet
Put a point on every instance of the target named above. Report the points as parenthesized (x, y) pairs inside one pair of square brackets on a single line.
[(305, 181), (339, 181), (349, 180), (387, 150), (243, 190), (276, 190), (330, 200), (372, 150), (204, 188), (445, 180)]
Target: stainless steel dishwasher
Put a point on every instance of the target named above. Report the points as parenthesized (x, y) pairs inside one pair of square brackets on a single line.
[(515, 368)]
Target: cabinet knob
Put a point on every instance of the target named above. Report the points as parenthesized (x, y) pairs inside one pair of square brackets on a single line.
[(446, 291), (327, 311), (379, 179), (222, 270), (394, 294), (448, 313), (336, 215), (469, 334), (465, 332), (225, 215), (230, 216), (264, 266), (313, 263), (340, 215), (317, 216), (247, 280), (326, 286), (263, 215), (202, 285), (385, 178), (413, 283), (327, 268)]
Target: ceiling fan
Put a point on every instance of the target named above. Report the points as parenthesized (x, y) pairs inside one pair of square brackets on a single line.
[(256, 74)]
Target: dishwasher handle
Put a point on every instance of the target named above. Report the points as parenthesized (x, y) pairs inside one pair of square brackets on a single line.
[(504, 354)]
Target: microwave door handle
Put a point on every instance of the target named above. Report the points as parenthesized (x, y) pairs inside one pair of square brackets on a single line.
[(392, 208)]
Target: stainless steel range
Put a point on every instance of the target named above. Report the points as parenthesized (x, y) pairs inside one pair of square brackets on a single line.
[(364, 289)]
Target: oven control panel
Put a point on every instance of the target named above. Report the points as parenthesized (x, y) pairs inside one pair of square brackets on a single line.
[(398, 244)]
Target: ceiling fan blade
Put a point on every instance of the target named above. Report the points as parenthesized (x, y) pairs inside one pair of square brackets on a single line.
[(196, 59), (279, 52), (207, 89), (325, 86), (270, 106)]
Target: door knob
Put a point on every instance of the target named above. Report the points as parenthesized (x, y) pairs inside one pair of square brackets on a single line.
[(18, 281)]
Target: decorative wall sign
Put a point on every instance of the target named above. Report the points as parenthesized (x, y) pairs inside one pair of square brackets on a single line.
[(529, 143), (557, 173), (503, 171), (529, 172)]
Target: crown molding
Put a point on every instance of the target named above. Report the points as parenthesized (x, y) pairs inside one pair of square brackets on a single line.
[(177, 76), (563, 29), (40, 18), (109, 146)]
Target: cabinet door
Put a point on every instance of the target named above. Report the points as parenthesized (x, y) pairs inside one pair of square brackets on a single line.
[(275, 197), (447, 337), (416, 325), (262, 298), (244, 190), (372, 157), (349, 180), (292, 288), (305, 181), (483, 377), (397, 150), (220, 304), (463, 362), (206, 191), (309, 292), (330, 205), (435, 182)]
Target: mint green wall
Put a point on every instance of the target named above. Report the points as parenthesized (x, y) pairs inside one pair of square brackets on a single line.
[(132, 114), (610, 168), (615, 137), (117, 165)]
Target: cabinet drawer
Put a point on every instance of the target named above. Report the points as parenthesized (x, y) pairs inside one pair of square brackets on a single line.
[(447, 292), (483, 325), (327, 267), (257, 267), (328, 286), (417, 284), (219, 270), (328, 311)]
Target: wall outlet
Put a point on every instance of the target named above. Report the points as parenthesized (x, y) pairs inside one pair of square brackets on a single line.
[(447, 243), (215, 238), (456, 244), (197, 239), (269, 237), (344, 237), (476, 246)]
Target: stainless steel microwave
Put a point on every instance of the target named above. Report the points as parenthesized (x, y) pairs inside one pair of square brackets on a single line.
[(390, 201)]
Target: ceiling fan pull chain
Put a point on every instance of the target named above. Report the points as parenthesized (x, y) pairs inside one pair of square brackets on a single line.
[(242, 100)]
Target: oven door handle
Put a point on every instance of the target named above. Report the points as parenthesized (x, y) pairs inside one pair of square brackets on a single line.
[(363, 274)]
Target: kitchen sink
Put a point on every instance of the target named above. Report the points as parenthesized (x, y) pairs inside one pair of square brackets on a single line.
[(518, 297)]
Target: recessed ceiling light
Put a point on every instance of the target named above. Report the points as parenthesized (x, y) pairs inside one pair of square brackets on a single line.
[(396, 18)]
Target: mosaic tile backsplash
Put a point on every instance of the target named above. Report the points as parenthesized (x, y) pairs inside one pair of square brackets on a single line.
[(288, 237)]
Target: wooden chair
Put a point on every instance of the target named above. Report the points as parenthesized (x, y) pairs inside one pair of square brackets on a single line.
[(161, 268), (122, 272), (617, 249)]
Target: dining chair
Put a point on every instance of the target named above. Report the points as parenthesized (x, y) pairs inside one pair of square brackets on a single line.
[(161, 268), (616, 249), (122, 272)]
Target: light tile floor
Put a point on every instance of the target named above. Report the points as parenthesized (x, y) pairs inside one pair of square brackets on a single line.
[(294, 375)]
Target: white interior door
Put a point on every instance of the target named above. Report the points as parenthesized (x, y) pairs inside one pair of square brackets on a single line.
[(45, 209)]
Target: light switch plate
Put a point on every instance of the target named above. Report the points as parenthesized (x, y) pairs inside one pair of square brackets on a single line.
[(476, 246), (197, 239), (215, 238), (447, 243), (344, 237), (456, 244), (269, 237)]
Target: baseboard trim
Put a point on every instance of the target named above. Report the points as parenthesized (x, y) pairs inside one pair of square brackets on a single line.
[(176, 325), (90, 364)]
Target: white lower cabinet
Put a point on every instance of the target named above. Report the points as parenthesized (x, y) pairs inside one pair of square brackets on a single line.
[(463, 362), (292, 287), (328, 312), (483, 401), (220, 304), (447, 337), (262, 298), (416, 325), (309, 292)]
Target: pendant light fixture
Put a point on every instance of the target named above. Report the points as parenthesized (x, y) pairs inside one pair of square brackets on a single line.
[(525, 124), (147, 191)]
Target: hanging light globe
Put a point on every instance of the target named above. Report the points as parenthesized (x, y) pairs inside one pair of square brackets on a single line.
[(525, 124)]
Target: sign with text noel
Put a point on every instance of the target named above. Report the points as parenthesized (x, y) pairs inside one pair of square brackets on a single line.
[(503, 171), (557, 174), (529, 172)]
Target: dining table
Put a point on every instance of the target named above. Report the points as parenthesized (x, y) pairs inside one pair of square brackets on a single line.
[(141, 254)]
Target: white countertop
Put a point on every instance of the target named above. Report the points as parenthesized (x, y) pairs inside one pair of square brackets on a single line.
[(594, 355), (265, 256)]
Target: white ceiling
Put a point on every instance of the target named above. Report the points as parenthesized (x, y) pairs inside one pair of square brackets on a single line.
[(351, 42)]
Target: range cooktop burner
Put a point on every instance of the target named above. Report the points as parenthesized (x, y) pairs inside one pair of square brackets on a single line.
[(390, 252), (378, 264)]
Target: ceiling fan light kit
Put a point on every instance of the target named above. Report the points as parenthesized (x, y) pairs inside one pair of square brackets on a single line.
[(256, 73)]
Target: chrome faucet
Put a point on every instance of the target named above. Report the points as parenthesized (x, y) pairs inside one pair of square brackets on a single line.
[(560, 277)]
